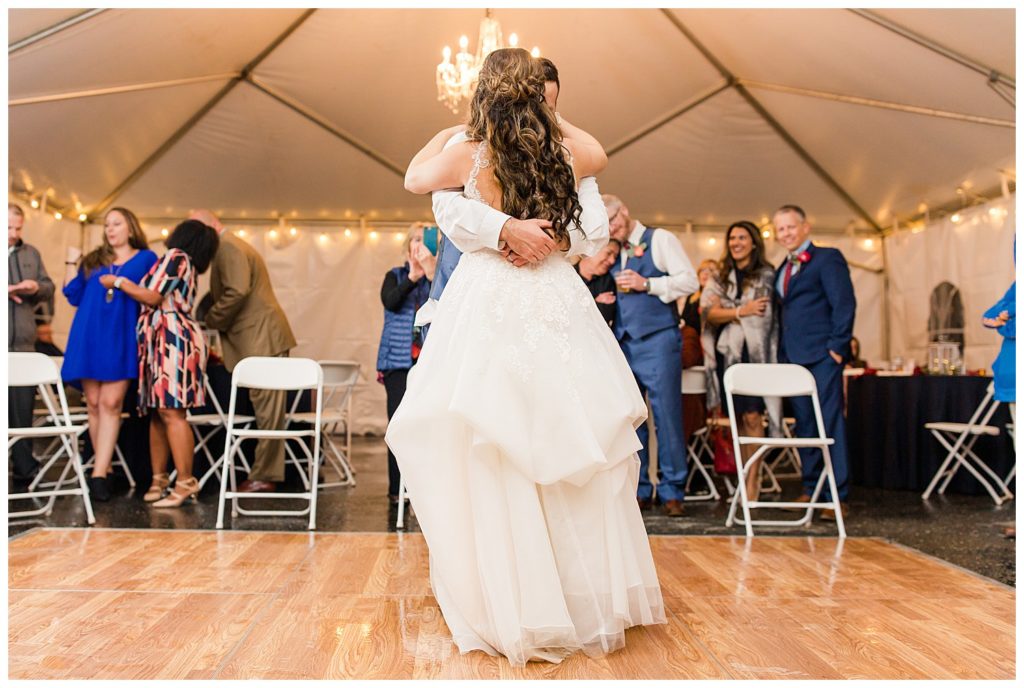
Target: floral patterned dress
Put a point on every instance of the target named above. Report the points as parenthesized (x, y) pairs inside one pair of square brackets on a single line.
[(172, 348)]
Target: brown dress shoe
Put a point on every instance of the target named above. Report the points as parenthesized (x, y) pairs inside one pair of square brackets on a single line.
[(674, 507), (257, 486), (644, 504), (830, 514)]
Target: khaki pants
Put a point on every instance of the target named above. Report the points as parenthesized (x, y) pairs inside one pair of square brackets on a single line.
[(269, 409)]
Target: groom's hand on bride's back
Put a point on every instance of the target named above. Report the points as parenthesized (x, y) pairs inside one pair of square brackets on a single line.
[(528, 239)]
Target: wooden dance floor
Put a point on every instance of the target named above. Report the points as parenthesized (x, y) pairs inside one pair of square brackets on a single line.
[(148, 604)]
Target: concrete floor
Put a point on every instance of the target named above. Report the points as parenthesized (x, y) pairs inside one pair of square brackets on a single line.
[(963, 530)]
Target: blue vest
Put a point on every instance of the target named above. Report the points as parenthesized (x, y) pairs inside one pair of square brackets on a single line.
[(448, 255), (395, 352), (639, 314)]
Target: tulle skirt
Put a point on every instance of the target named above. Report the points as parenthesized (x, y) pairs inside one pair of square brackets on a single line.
[(516, 438)]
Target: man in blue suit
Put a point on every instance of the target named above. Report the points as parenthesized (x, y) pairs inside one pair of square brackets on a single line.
[(818, 307)]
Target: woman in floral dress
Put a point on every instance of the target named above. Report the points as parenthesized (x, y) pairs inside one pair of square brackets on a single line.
[(172, 356)]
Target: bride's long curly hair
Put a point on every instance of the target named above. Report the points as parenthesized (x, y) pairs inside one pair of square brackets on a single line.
[(529, 161)]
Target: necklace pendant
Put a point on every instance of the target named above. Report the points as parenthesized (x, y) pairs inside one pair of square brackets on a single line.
[(110, 295)]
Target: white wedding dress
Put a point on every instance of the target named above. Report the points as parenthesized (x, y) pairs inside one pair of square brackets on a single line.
[(516, 439)]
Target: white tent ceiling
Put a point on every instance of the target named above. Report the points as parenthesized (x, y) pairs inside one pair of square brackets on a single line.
[(314, 114)]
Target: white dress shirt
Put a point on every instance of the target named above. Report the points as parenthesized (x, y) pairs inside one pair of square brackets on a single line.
[(669, 257)]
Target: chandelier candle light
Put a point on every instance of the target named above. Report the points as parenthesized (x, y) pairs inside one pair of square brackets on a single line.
[(456, 80)]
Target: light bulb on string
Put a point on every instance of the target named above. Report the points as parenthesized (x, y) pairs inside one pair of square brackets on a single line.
[(241, 233), (293, 231), (712, 241), (58, 215), (513, 40), (272, 234), (535, 52), (323, 238), (348, 232), (373, 234), (766, 233), (398, 237), (34, 203), (164, 233), (82, 217)]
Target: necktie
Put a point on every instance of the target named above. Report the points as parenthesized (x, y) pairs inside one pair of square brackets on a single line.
[(785, 277)]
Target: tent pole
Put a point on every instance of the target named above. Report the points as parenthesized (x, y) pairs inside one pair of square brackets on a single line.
[(886, 311), (131, 88), (55, 29), (665, 119), (185, 128), (773, 123), (324, 124), (992, 74), (871, 102)]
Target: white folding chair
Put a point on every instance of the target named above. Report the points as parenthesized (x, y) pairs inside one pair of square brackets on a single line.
[(81, 419), (282, 374), (778, 380), (788, 455), (1011, 430), (695, 382), (959, 440), (29, 369), (340, 380)]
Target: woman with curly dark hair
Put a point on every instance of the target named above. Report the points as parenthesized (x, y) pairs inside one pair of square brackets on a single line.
[(516, 436)]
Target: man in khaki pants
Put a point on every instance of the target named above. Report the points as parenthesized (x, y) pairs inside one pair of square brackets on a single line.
[(251, 323)]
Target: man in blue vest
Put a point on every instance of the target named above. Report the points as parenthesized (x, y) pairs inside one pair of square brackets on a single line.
[(652, 272), (816, 325)]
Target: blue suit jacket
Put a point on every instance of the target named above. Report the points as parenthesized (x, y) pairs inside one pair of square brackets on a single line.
[(817, 311)]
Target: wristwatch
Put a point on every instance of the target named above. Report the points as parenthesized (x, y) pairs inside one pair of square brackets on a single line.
[(117, 282), (647, 285)]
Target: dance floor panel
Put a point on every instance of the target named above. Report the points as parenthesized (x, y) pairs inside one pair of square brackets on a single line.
[(147, 604)]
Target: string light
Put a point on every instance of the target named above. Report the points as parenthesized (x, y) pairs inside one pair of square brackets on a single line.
[(241, 233), (164, 232), (766, 233), (34, 203), (273, 234), (82, 217), (323, 238), (712, 241), (58, 215), (293, 231), (348, 232), (373, 235), (398, 237), (956, 218), (535, 52)]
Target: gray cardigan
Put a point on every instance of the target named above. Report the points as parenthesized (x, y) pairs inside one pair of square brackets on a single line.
[(24, 262)]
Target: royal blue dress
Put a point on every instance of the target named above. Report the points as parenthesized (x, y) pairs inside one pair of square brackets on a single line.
[(1004, 368), (102, 344)]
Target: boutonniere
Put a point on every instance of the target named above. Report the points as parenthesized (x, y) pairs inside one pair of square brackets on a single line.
[(802, 257), (639, 249)]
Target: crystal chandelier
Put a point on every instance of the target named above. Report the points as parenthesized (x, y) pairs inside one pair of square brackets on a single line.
[(457, 81)]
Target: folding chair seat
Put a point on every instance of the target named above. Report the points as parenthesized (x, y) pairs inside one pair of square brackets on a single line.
[(29, 369), (959, 439), (281, 374), (777, 380)]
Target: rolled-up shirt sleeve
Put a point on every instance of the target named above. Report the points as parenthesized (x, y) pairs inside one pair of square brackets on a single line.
[(669, 256), (593, 221)]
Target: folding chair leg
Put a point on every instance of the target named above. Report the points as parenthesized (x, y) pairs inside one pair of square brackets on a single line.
[(943, 467), (827, 467), (400, 521)]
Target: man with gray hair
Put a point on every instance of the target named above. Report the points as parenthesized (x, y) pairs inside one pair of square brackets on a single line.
[(651, 273), (27, 285)]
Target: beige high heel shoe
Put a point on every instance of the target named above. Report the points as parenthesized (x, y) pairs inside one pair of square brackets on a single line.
[(156, 489), (183, 490)]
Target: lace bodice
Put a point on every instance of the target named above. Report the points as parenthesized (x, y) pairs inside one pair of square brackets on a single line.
[(480, 160)]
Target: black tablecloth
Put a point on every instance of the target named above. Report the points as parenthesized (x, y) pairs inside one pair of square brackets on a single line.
[(889, 445)]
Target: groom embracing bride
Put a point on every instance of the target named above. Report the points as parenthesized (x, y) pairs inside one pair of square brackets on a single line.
[(517, 434)]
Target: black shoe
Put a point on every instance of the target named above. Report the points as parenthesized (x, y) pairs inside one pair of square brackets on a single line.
[(99, 489), (25, 469)]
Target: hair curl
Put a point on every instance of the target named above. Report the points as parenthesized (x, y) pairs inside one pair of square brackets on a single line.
[(531, 165)]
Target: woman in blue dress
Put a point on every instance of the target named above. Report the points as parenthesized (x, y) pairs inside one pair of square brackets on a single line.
[(102, 352)]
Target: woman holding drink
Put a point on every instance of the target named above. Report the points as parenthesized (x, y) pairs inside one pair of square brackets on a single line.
[(737, 308)]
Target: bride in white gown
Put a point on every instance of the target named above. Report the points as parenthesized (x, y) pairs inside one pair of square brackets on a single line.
[(516, 436)]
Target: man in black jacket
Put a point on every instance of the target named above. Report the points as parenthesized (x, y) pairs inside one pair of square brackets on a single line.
[(594, 272), (28, 284)]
